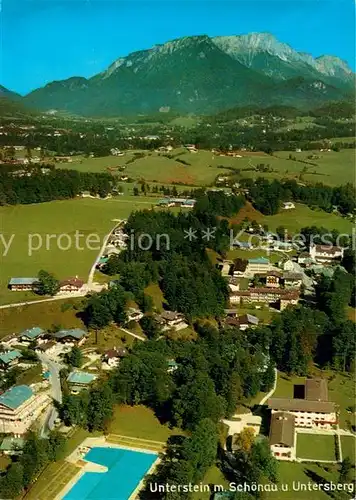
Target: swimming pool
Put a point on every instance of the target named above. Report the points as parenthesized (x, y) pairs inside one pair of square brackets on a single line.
[(126, 469)]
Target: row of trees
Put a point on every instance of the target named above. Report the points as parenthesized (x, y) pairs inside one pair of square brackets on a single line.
[(23, 471), (38, 187), (267, 196)]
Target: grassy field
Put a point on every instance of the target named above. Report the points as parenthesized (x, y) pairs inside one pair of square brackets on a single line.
[(214, 476), (316, 447), (139, 422), (45, 315), (60, 254), (348, 445)]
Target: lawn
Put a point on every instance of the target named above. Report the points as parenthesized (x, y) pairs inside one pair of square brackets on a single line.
[(139, 422), (45, 315), (108, 338), (213, 476), (316, 446), (70, 252), (4, 462), (285, 385), (348, 445), (238, 253)]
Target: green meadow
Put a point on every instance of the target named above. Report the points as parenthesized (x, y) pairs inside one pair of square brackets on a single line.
[(75, 220), (201, 168)]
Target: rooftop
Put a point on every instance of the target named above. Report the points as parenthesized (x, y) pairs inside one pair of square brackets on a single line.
[(282, 429), (248, 318), (285, 404), (32, 333), (23, 281), (81, 378), (16, 396), (75, 333), (316, 389), (11, 443), (7, 357)]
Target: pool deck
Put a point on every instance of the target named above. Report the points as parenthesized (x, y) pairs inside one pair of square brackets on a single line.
[(77, 459)]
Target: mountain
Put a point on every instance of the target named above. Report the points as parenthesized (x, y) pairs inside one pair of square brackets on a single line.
[(201, 75), (11, 104), (4, 92)]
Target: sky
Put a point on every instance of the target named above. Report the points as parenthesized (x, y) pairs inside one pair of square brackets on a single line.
[(46, 40)]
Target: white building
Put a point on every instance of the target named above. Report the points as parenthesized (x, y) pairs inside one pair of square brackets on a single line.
[(282, 436), (325, 253), (288, 205), (20, 408)]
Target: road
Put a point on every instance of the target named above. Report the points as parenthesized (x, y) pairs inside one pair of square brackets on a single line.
[(56, 390), (271, 392)]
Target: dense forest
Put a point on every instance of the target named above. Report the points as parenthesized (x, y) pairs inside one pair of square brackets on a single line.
[(37, 186)]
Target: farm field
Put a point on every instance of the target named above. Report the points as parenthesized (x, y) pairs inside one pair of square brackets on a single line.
[(85, 215), (331, 168), (348, 445), (316, 447)]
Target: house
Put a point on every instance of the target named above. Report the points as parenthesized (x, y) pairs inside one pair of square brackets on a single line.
[(112, 356), (172, 319), (22, 284), (257, 265), (79, 380), (271, 278), (282, 438), (326, 253), (288, 205), (47, 347), (73, 335), (191, 148), (248, 321), (292, 280), (278, 296), (31, 334), (12, 445), (134, 314), (20, 407), (314, 411), (244, 245), (71, 285), (9, 359)]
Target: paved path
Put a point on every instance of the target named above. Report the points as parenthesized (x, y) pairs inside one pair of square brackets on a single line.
[(56, 390), (133, 334), (50, 299), (271, 392)]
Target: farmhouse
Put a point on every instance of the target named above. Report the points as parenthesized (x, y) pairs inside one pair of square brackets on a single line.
[(71, 285), (325, 253), (32, 334), (247, 321), (292, 280), (9, 359), (22, 284), (282, 436), (171, 319), (19, 408), (47, 347), (271, 278), (73, 335), (134, 314)]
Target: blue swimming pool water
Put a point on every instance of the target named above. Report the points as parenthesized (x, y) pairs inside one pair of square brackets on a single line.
[(126, 469)]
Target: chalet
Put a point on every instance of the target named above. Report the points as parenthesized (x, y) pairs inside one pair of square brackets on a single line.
[(112, 356), (22, 284), (79, 380), (171, 319), (326, 253), (278, 296), (271, 278), (134, 314), (73, 335), (304, 259), (71, 285), (47, 347), (282, 438), (292, 280), (9, 359), (312, 412), (31, 334), (257, 265), (239, 268), (20, 408)]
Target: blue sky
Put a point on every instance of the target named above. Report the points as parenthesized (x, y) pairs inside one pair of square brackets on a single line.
[(46, 40)]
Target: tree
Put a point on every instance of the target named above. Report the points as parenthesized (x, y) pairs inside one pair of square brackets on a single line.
[(74, 357), (245, 439), (345, 469), (47, 284), (150, 326), (12, 484)]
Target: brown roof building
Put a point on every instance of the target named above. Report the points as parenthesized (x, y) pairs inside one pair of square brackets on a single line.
[(282, 430), (316, 389), (301, 405)]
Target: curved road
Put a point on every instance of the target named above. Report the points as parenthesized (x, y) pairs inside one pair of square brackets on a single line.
[(56, 390)]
